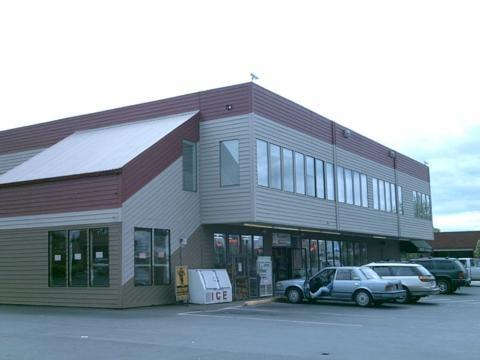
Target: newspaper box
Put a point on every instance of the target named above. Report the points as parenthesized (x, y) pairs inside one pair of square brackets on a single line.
[(209, 286)]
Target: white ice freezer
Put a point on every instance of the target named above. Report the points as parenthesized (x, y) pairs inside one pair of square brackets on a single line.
[(209, 286)]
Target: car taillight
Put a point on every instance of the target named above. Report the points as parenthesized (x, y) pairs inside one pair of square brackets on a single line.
[(425, 278), (461, 275)]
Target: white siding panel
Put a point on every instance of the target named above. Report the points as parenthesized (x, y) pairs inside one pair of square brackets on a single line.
[(161, 204), (228, 204), (9, 161)]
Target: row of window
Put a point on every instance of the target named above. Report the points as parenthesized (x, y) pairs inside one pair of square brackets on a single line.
[(323, 253), (284, 169), (227, 246), (152, 257), (352, 187), (422, 205), (387, 197), (78, 258)]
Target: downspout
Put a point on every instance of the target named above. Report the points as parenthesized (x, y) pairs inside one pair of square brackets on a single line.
[(334, 152)]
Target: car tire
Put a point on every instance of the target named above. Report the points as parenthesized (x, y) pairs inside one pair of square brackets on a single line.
[(294, 296), (406, 299), (445, 286), (362, 298), (413, 299)]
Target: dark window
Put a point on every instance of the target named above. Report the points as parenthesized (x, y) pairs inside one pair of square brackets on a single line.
[(161, 257), (152, 257), (233, 245), (247, 245), (99, 257), (258, 245), (262, 163), (220, 249), (78, 258), (58, 258), (444, 265), (229, 163), (426, 264), (189, 163), (143, 257), (343, 274), (382, 270)]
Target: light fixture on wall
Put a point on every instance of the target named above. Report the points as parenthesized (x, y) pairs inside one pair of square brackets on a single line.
[(392, 154), (347, 133)]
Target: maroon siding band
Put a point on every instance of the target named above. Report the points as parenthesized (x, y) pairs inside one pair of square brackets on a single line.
[(64, 195), (149, 164)]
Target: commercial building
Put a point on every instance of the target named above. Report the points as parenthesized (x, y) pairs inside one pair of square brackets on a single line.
[(455, 243), (97, 210)]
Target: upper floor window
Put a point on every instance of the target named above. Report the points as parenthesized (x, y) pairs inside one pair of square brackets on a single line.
[(422, 205), (229, 163), (320, 179), (299, 173), (330, 181), (189, 163), (262, 163), (275, 167), (387, 196), (400, 199), (288, 181), (352, 187), (310, 175), (340, 185)]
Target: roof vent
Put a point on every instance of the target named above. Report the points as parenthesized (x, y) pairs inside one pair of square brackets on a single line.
[(347, 133)]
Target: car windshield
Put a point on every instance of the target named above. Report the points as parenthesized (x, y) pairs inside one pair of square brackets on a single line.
[(369, 273)]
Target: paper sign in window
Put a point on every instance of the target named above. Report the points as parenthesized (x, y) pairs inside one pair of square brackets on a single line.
[(99, 255), (77, 256), (142, 255), (57, 257), (161, 254)]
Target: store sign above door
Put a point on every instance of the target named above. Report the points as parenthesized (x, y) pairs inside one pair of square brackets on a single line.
[(281, 240)]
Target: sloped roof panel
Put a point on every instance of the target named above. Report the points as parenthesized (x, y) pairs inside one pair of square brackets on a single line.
[(95, 150)]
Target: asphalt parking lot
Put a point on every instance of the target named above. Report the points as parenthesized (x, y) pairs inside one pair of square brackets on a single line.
[(441, 327)]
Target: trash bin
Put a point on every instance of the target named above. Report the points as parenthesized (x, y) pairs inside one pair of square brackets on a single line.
[(209, 286)]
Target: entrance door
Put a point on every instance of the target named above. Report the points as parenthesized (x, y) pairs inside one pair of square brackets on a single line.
[(282, 263)]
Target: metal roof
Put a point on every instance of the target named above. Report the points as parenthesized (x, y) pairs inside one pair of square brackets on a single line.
[(94, 150)]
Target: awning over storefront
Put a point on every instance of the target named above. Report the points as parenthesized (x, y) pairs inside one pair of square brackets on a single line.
[(415, 246)]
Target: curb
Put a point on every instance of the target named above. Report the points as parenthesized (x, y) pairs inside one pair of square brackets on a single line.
[(261, 301)]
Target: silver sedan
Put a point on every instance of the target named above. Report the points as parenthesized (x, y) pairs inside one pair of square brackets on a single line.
[(359, 284)]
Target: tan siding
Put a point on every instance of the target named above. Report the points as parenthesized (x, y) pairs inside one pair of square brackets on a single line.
[(24, 271), (197, 254)]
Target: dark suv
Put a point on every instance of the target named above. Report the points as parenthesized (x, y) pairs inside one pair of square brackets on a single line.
[(449, 273)]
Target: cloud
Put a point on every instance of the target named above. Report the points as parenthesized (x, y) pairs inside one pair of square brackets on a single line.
[(455, 178)]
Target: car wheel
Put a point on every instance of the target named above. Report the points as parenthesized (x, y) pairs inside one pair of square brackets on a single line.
[(444, 286), (294, 296), (362, 298), (413, 300), (405, 298)]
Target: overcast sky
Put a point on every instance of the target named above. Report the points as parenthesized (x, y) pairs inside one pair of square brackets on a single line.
[(405, 73)]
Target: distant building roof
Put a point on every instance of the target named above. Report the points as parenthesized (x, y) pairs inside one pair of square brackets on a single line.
[(95, 150), (456, 240)]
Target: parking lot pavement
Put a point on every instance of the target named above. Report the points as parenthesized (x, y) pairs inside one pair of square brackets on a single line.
[(442, 327)]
